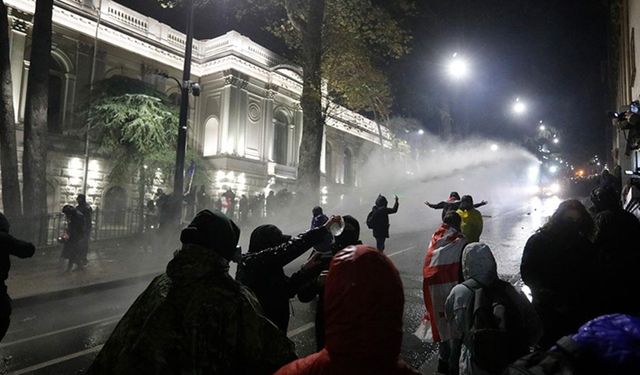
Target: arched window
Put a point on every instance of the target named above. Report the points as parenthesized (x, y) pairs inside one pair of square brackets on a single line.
[(211, 131), (328, 163), (52, 201), (348, 167), (56, 95), (280, 137), (114, 206)]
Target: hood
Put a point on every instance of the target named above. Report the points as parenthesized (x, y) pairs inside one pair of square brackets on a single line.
[(363, 314), (193, 262), (479, 264), (265, 237), (381, 201)]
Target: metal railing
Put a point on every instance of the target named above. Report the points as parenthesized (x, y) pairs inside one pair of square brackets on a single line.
[(106, 224)]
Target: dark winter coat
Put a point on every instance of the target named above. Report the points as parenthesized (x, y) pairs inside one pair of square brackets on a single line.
[(559, 269), (363, 318), (618, 260), (76, 227), (451, 205), (194, 319), (381, 217), (262, 272)]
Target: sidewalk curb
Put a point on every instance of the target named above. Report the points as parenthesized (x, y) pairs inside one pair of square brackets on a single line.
[(66, 293)]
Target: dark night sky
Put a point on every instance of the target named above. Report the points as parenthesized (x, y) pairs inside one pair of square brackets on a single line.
[(550, 53)]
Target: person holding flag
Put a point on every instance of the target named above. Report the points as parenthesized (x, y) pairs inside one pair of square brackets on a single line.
[(442, 271)]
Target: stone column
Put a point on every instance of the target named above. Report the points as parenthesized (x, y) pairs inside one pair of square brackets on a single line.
[(17, 41)]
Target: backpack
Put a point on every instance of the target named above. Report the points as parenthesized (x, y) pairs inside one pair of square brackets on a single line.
[(497, 335), (371, 218)]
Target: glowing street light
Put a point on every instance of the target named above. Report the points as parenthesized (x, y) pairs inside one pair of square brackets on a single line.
[(542, 128), (458, 68), (494, 147), (421, 131), (556, 140), (519, 107)]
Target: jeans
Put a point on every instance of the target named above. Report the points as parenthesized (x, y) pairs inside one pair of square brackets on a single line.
[(380, 243)]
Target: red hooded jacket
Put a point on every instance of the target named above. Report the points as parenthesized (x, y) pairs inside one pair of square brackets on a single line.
[(364, 303)]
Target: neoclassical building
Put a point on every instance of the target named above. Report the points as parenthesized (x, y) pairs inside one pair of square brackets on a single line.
[(247, 122)]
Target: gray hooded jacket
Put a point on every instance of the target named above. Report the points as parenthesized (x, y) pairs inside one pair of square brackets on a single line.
[(479, 264)]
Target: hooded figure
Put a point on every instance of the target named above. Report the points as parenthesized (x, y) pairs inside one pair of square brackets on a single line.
[(441, 272), (363, 318), (262, 271), (479, 265), (617, 251), (194, 318), (381, 220), (73, 247), (559, 265), (10, 246), (472, 223)]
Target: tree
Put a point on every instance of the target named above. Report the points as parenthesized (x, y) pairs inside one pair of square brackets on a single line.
[(134, 129), (34, 160), (343, 42), (11, 200)]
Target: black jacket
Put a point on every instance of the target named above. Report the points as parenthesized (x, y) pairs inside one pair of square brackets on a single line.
[(262, 272), (12, 246), (381, 219)]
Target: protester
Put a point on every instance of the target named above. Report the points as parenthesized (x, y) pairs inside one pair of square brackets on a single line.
[(87, 212), (262, 271), (350, 236), (378, 220), (194, 318), (271, 204), (441, 272), (506, 333), (202, 199), (451, 204), (243, 209), (363, 318), (559, 266), (73, 239), (229, 202), (472, 223), (10, 246), (617, 251)]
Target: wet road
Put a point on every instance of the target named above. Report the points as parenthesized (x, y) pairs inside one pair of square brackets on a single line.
[(63, 336)]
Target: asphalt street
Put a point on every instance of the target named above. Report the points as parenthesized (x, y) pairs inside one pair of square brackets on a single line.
[(63, 336)]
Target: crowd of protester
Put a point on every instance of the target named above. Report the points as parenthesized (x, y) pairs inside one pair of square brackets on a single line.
[(196, 319)]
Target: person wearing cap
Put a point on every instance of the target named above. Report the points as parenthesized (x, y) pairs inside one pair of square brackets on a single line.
[(472, 223), (10, 246), (350, 236), (451, 204), (194, 318), (363, 313), (261, 269)]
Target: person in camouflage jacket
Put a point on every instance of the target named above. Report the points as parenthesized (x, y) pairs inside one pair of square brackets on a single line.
[(194, 318)]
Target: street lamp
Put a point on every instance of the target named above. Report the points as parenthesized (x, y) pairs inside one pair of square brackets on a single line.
[(519, 107), (556, 140), (421, 132), (494, 147), (458, 67)]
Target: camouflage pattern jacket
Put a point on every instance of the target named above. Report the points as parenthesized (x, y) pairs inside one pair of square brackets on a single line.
[(194, 319)]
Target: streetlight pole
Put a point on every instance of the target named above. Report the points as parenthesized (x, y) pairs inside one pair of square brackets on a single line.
[(178, 177)]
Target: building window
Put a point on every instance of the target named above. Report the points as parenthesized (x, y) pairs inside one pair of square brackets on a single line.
[(328, 163), (115, 206), (56, 96), (348, 167), (211, 131), (280, 137)]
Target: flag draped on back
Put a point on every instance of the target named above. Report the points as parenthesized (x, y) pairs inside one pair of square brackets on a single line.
[(441, 273)]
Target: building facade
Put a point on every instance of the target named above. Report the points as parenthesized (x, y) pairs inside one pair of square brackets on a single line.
[(625, 60), (246, 123)]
